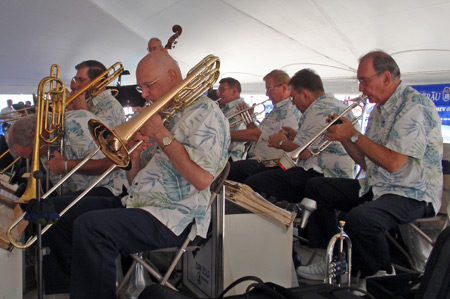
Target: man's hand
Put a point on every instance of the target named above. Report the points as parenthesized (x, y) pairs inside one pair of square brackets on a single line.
[(56, 164), (153, 126), (341, 131), (289, 132), (275, 139)]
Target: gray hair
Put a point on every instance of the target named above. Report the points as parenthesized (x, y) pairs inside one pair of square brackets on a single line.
[(383, 62), (21, 132)]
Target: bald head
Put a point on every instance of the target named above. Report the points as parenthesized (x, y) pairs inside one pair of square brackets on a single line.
[(156, 74)]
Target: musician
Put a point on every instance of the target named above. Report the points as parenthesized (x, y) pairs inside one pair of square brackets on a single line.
[(260, 156), (165, 194), (154, 44), (229, 92), (401, 153), (309, 97), (78, 143), (105, 106)]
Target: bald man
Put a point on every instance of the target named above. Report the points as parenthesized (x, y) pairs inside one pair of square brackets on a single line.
[(169, 191)]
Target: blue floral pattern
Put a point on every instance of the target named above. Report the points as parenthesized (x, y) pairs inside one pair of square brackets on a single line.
[(78, 144), (161, 190), (408, 124), (107, 109), (284, 114), (334, 160)]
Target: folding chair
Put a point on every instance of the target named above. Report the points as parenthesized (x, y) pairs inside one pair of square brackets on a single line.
[(441, 219), (216, 187)]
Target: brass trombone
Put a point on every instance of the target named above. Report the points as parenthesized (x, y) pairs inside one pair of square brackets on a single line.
[(113, 142), (288, 160), (96, 85)]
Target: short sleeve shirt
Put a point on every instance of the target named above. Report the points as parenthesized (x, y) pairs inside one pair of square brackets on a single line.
[(409, 124)]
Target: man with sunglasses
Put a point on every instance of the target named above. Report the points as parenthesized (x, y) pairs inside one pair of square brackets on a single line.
[(401, 153), (261, 157)]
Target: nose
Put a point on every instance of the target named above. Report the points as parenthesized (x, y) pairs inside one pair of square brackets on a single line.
[(361, 87)]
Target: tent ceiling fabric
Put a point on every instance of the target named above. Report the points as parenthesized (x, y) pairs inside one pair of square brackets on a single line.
[(251, 37)]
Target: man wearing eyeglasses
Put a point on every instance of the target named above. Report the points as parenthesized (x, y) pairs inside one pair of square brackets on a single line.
[(105, 106), (261, 157), (229, 92), (309, 97), (401, 153), (167, 199)]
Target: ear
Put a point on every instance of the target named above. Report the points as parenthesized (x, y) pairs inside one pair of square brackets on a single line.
[(173, 75), (387, 78)]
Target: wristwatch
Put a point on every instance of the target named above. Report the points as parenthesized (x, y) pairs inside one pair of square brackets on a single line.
[(355, 137), (281, 143), (166, 141)]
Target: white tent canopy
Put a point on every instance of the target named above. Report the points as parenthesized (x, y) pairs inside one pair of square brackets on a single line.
[(251, 37)]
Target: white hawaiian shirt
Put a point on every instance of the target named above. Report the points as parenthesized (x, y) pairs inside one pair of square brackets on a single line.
[(236, 149), (107, 109), (334, 160), (162, 191), (78, 143), (408, 124), (284, 114)]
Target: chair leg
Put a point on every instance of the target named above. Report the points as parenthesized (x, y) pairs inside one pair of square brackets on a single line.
[(180, 252)]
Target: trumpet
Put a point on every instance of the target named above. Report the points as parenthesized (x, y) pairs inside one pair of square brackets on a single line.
[(289, 160), (113, 141), (342, 264), (245, 116)]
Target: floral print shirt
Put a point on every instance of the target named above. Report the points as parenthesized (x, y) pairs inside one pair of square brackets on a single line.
[(78, 143), (284, 114), (107, 109), (409, 124), (334, 160), (162, 191)]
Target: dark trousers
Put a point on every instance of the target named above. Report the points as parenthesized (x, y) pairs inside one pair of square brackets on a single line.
[(241, 170), (86, 241), (366, 220), (283, 185)]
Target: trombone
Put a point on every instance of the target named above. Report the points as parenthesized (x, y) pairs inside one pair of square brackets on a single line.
[(113, 142), (288, 160), (245, 116)]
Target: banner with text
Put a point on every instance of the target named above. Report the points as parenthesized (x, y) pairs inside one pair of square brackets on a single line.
[(440, 94)]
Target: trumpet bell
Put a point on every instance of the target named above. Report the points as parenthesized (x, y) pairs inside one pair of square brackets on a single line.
[(286, 162)]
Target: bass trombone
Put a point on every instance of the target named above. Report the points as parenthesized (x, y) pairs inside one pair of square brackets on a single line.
[(113, 141), (289, 160)]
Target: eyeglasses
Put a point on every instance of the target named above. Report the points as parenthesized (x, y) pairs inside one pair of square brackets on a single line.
[(366, 81), (146, 85), (79, 80), (270, 89), (222, 89)]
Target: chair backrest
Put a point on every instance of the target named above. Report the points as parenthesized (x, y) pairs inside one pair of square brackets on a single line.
[(218, 182)]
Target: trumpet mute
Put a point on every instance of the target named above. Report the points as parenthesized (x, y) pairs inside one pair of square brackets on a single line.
[(308, 206)]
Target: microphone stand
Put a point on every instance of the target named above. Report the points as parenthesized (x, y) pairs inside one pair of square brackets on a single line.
[(38, 175)]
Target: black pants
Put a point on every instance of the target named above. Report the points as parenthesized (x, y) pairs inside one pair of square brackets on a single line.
[(367, 220), (241, 170), (283, 185)]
